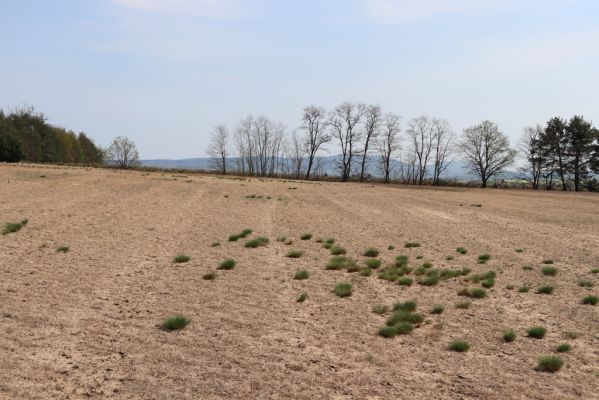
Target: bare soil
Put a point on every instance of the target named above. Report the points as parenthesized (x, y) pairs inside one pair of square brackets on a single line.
[(85, 324)]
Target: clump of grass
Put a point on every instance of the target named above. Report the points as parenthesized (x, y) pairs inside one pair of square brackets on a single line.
[(523, 289), (227, 264), (475, 293), (371, 252), (461, 250), (12, 227), (519, 250), (536, 332), (527, 268), (545, 289), (391, 247), (463, 305), (233, 238), (401, 260), (509, 336), (259, 241), (306, 236), (404, 328), (380, 309), (209, 276), (245, 233), (489, 275), (430, 279), (174, 323), (488, 283), (337, 250), (373, 263), (409, 306), (411, 245), (590, 300), (215, 244), (294, 254), (281, 238), (483, 258), (548, 262), (459, 346), (343, 289), (449, 258), (404, 316), (585, 283), (509, 287), (365, 271), (288, 242), (388, 331), (63, 249), (419, 257), (338, 262), (181, 258), (572, 335), (549, 363), (405, 281), (563, 348), (319, 240), (595, 271), (437, 309), (354, 267), (302, 297), (549, 271), (301, 275)]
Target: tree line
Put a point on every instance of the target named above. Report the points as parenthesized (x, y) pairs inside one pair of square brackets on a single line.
[(560, 154), (25, 135)]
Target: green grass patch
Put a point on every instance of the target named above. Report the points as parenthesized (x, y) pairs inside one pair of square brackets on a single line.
[(549, 271), (373, 263), (343, 289), (209, 276), (63, 249), (257, 242), (337, 250), (437, 309), (523, 289), (227, 264), (405, 281), (590, 300), (215, 244), (380, 309), (595, 271), (12, 227), (245, 233), (294, 254), (483, 258), (388, 331), (302, 297), (459, 346), (550, 364), (371, 252), (391, 247), (338, 262), (536, 332), (548, 262), (174, 323), (411, 245), (463, 305), (306, 236), (405, 306), (181, 258), (233, 238), (563, 347), (509, 336), (301, 275), (450, 258), (585, 283), (365, 271), (545, 289), (461, 250)]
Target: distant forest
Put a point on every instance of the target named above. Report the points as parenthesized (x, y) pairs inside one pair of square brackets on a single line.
[(25, 135)]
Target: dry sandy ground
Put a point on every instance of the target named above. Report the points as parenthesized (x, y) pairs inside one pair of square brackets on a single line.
[(85, 324)]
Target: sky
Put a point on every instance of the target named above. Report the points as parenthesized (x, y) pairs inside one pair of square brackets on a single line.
[(165, 72)]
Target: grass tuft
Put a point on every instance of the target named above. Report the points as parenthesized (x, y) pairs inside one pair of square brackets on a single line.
[(509, 336), (461, 250), (336, 250), (209, 276), (306, 236), (373, 263), (63, 249), (409, 306), (380, 310), (294, 254), (410, 245), (548, 262), (549, 271), (459, 346), (585, 283), (545, 289), (563, 348), (483, 258), (405, 281), (536, 332), (257, 242), (590, 300), (12, 227), (174, 323), (301, 275), (215, 244), (227, 264), (549, 363), (523, 289), (371, 252), (181, 258), (302, 297), (343, 289), (463, 305), (437, 309)]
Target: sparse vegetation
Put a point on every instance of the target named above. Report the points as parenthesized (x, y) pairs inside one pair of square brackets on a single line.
[(523, 289), (595, 271), (371, 252), (336, 250), (459, 346), (245, 233), (463, 305), (13, 227), (585, 283), (181, 258), (227, 264), (301, 274), (257, 242), (548, 262), (215, 244), (545, 289), (536, 332), (63, 249), (519, 250), (294, 254), (380, 309), (549, 271), (302, 297), (405, 281), (339, 262), (343, 289), (590, 300), (233, 238), (391, 247), (209, 276), (174, 323), (405, 306), (549, 363), (437, 309), (373, 263), (306, 236), (563, 348), (365, 271), (509, 335), (483, 258), (411, 245), (449, 258), (461, 250)]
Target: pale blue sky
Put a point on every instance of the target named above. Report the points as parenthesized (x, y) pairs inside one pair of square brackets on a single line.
[(165, 72)]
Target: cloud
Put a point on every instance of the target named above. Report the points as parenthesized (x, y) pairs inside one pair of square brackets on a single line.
[(198, 8)]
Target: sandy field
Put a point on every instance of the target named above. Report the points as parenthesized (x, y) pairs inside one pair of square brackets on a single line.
[(86, 323)]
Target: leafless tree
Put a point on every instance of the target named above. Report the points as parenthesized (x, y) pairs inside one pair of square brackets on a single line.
[(218, 148), (532, 151), (487, 150), (421, 138), (244, 144), (388, 143), (344, 122), (294, 155), (442, 147), (122, 152), (372, 122), (408, 167), (314, 123)]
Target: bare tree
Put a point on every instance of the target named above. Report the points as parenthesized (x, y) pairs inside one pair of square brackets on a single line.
[(388, 143), (373, 115), (295, 155), (531, 148), (122, 152), (487, 150), (420, 134), (218, 148), (244, 144), (442, 147), (315, 124), (344, 121)]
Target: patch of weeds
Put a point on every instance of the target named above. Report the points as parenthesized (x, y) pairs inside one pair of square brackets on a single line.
[(233, 238), (301, 275), (259, 241), (523, 289), (476, 205), (373, 263), (391, 247), (548, 262), (430, 279), (404, 328), (215, 244), (463, 305), (245, 233), (319, 240), (405, 281), (381, 310), (227, 264), (365, 272), (519, 250), (281, 238), (405, 306), (549, 363), (486, 276), (483, 258), (401, 261), (62, 249), (509, 287), (209, 276), (354, 267), (549, 271), (343, 289), (449, 258), (563, 348), (411, 245), (437, 309), (452, 273), (12, 227), (571, 335), (419, 257), (336, 250), (288, 242), (181, 258), (302, 297), (590, 300), (488, 283), (509, 336), (459, 346), (475, 293), (527, 268), (306, 236), (545, 289), (536, 332), (338, 262), (371, 252), (404, 316), (585, 283), (294, 254), (388, 331), (461, 250), (174, 323), (595, 271)]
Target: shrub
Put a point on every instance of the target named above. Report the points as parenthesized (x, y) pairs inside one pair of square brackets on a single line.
[(545, 289), (431, 278), (459, 346), (181, 258), (215, 244), (405, 316), (563, 348), (595, 271), (488, 283), (373, 263), (427, 265), (437, 309), (336, 250), (405, 306), (176, 322), (549, 271), (353, 267), (590, 300), (227, 264), (477, 293), (549, 363), (12, 228), (401, 261), (519, 250), (306, 236), (294, 254), (388, 331), (338, 262), (365, 271), (419, 257), (523, 289), (482, 259), (233, 238), (245, 233), (585, 283), (391, 247), (209, 276), (461, 250), (327, 245), (489, 275), (410, 245), (404, 328), (449, 258), (259, 241), (509, 335), (62, 249), (24, 222), (371, 252), (302, 297), (463, 305), (381, 310), (343, 289), (548, 262), (405, 281), (527, 268), (536, 332), (330, 241), (301, 275)]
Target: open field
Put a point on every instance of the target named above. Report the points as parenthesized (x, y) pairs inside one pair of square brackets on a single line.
[(84, 322)]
